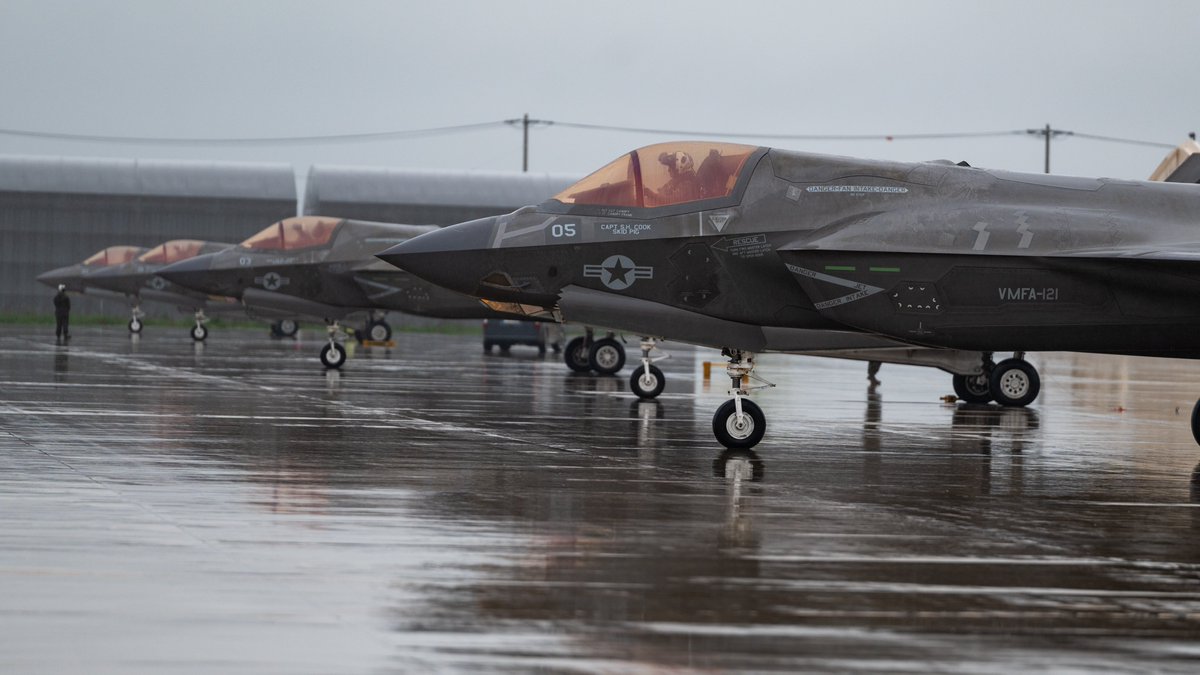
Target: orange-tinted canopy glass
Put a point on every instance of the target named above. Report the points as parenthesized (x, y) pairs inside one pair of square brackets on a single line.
[(113, 255), (664, 174), (294, 233), (172, 251)]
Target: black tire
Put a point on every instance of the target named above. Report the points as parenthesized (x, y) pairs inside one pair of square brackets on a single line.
[(1196, 422), (647, 385), (576, 355), (726, 431), (199, 333), (287, 327), (379, 331), (541, 349), (973, 388), (333, 355), (1014, 383), (607, 356), (135, 326)]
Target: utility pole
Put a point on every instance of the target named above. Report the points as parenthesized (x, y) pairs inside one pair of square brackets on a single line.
[(1049, 132), (525, 154)]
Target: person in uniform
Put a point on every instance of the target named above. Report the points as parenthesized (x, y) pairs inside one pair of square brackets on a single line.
[(62, 314)]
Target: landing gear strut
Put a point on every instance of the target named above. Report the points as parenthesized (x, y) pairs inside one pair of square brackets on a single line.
[(739, 423), (135, 320), (199, 330), (647, 381), (333, 355)]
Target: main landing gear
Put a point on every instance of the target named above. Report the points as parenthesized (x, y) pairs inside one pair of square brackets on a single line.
[(1012, 382), (376, 329), (739, 423), (199, 331), (285, 328), (605, 356), (333, 355), (135, 321), (647, 381)]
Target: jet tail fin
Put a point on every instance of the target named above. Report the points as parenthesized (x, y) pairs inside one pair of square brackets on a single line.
[(1181, 165)]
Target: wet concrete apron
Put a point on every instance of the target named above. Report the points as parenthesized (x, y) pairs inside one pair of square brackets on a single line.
[(232, 507)]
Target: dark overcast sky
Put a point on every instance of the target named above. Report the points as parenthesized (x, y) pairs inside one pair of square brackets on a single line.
[(277, 68)]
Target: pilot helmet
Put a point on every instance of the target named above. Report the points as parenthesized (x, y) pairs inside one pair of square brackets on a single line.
[(62, 287), (679, 161)]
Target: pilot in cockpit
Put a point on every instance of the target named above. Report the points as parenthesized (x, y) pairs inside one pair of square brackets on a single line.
[(683, 185)]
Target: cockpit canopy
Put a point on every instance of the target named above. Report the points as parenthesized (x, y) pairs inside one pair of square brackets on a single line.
[(664, 174), (172, 251), (294, 233), (113, 255)]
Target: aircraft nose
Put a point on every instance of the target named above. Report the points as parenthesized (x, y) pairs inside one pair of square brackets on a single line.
[(191, 273), (55, 277), (445, 256)]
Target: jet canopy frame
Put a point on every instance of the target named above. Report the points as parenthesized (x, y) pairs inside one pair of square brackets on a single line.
[(664, 178), (113, 255), (291, 234), (172, 251)]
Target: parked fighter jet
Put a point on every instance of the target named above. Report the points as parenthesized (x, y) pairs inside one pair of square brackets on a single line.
[(325, 268), (78, 278), (756, 249)]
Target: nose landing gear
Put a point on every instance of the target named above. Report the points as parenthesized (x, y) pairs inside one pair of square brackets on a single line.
[(647, 381), (135, 320), (333, 355), (199, 331), (739, 423)]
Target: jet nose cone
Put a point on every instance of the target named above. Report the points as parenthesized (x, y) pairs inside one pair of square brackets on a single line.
[(445, 257), (61, 275), (191, 273)]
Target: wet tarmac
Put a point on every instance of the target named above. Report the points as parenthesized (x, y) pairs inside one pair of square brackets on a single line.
[(232, 508)]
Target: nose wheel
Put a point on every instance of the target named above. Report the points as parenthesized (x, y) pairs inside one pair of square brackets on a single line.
[(647, 381), (199, 331), (739, 423), (135, 320), (333, 354)]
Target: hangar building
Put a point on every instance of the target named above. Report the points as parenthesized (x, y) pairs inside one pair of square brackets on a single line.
[(56, 211)]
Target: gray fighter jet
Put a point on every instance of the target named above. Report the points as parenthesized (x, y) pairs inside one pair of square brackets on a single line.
[(79, 278), (138, 280), (325, 268), (755, 249)]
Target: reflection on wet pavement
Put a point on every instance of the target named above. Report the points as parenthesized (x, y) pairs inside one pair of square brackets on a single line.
[(234, 508)]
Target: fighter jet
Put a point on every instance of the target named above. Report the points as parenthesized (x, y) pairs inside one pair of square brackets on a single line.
[(78, 278), (755, 249), (325, 268), (138, 280)]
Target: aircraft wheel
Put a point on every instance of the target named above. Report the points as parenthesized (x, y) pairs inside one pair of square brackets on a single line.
[(1015, 383), (647, 385), (737, 435), (379, 331), (1196, 422), (607, 356), (199, 333), (135, 326), (287, 328), (576, 355), (973, 388), (333, 355), (541, 349)]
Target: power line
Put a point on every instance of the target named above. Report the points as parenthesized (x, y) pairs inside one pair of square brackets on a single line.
[(267, 140), (794, 137)]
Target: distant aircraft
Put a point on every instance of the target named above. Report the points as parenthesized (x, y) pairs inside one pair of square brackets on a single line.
[(325, 268), (754, 249)]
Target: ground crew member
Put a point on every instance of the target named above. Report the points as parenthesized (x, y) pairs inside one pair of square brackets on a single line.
[(62, 314)]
